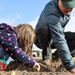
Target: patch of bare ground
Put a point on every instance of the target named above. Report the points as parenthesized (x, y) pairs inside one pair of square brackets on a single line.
[(55, 68)]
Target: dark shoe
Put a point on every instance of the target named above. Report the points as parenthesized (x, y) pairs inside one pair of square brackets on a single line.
[(55, 56), (47, 61)]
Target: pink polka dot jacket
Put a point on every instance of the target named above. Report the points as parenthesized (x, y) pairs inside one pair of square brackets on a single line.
[(8, 40)]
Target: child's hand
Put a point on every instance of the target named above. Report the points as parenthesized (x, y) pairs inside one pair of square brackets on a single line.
[(36, 66)]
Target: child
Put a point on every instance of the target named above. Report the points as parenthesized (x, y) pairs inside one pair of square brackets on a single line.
[(26, 37), (8, 41)]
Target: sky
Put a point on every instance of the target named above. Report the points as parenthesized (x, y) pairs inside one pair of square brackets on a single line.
[(16, 12), (20, 11)]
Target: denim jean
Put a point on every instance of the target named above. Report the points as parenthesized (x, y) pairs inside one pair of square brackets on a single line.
[(57, 33)]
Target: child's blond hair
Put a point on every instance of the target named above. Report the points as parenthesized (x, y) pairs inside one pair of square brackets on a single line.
[(26, 37)]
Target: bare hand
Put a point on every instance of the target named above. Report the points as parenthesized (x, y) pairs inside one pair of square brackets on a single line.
[(73, 70), (36, 66)]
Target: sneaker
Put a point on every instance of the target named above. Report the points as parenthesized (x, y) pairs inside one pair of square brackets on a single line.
[(47, 61), (2, 66), (4, 59), (4, 63)]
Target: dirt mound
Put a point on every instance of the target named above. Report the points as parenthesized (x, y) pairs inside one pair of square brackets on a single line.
[(55, 68)]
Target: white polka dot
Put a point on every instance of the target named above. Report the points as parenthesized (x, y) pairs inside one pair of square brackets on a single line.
[(2, 42), (29, 65), (29, 58), (1, 26), (1, 37), (15, 46), (11, 54), (8, 34)]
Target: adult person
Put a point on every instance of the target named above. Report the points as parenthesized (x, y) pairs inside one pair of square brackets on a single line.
[(70, 37), (51, 23)]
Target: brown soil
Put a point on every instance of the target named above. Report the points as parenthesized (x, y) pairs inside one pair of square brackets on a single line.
[(55, 68)]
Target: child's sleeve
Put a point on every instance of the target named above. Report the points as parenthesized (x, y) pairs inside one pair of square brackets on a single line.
[(21, 57)]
